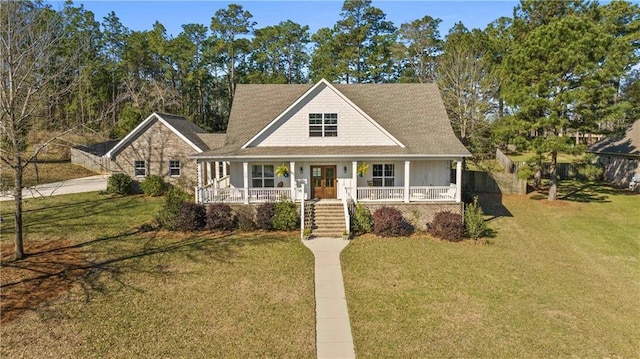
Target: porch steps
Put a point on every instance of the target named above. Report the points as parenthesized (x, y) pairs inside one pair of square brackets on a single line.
[(326, 219)]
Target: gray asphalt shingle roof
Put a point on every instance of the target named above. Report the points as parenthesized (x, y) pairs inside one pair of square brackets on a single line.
[(188, 129), (626, 144), (412, 113)]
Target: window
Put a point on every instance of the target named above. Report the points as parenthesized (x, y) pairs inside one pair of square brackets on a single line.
[(384, 175), (174, 168), (262, 176), (221, 165), (140, 168), (323, 125)]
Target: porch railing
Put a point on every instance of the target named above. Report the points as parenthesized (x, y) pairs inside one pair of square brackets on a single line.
[(209, 194), (228, 195), (433, 193), (223, 182), (269, 194), (380, 193), (416, 194)]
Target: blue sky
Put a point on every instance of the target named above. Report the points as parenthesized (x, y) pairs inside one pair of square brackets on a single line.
[(140, 15)]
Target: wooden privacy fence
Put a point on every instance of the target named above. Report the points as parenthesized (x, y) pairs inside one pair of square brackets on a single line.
[(92, 157), (505, 162), (493, 182)]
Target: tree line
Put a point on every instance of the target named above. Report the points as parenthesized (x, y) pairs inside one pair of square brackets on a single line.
[(561, 61)]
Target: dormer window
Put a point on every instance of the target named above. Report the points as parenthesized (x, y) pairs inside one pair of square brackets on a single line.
[(323, 125)]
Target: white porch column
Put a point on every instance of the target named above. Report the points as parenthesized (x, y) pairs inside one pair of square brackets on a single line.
[(459, 180), (292, 175), (245, 178), (407, 180), (354, 174), (217, 170), (209, 171), (199, 174), (224, 169), (199, 181)]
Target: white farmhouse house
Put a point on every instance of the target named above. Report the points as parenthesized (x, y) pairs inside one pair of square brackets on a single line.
[(325, 135)]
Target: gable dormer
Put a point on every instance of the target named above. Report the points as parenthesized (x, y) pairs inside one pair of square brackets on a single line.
[(323, 116)]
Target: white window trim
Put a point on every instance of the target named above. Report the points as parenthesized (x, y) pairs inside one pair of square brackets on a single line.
[(179, 168), (385, 177), (263, 178), (323, 125), (135, 168)]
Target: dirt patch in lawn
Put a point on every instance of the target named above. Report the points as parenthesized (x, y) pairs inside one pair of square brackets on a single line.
[(50, 270)]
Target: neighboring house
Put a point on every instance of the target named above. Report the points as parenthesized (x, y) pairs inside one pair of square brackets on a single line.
[(620, 156), (161, 145), (323, 132)]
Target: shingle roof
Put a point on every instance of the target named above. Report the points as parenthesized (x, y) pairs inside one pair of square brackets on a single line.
[(625, 144), (189, 132), (212, 140), (412, 113), (188, 129)]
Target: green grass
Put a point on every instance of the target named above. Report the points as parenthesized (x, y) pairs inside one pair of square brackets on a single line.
[(47, 173), (562, 157), (558, 280), (161, 294)]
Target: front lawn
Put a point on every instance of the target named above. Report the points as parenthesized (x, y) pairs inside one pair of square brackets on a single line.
[(95, 285), (560, 279)]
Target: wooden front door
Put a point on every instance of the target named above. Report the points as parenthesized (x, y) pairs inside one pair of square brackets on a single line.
[(323, 181)]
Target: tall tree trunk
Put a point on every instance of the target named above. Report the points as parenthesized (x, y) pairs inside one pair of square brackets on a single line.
[(553, 178), (17, 193)]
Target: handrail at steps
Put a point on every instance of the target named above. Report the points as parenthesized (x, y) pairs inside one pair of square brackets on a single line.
[(347, 219), (345, 206), (302, 213)]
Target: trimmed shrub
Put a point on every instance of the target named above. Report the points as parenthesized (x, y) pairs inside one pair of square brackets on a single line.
[(219, 217), (192, 217), (153, 186), (388, 222), (245, 216), (264, 215), (286, 216), (446, 225), (171, 207), (475, 226), (120, 183), (361, 222)]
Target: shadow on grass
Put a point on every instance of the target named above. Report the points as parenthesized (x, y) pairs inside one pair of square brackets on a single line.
[(583, 192), (492, 206), (103, 265), (91, 202)]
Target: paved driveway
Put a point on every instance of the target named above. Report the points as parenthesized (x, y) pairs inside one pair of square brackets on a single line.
[(78, 185)]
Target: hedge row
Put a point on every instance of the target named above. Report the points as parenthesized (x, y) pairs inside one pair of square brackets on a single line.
[(389, 222), (178, 214)]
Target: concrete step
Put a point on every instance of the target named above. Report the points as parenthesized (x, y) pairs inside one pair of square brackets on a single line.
[(329, 220), (328, 211), (327, 234), (329, 224)]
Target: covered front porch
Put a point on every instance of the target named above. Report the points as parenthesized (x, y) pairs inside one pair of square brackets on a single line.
[(384, 180)]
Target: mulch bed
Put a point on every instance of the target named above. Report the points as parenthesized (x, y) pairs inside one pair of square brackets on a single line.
[(51, 269)]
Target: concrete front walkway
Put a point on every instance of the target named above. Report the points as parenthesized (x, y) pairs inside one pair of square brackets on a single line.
[(333, 330), (78, 185)]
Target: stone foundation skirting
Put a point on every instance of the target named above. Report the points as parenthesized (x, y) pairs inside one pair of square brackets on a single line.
[(418, 214)]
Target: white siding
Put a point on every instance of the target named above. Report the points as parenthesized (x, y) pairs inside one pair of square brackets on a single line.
[(235, 174), (354, 129), (430, 173)]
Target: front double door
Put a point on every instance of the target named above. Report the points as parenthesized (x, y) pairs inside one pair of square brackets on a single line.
[(323, 181)]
